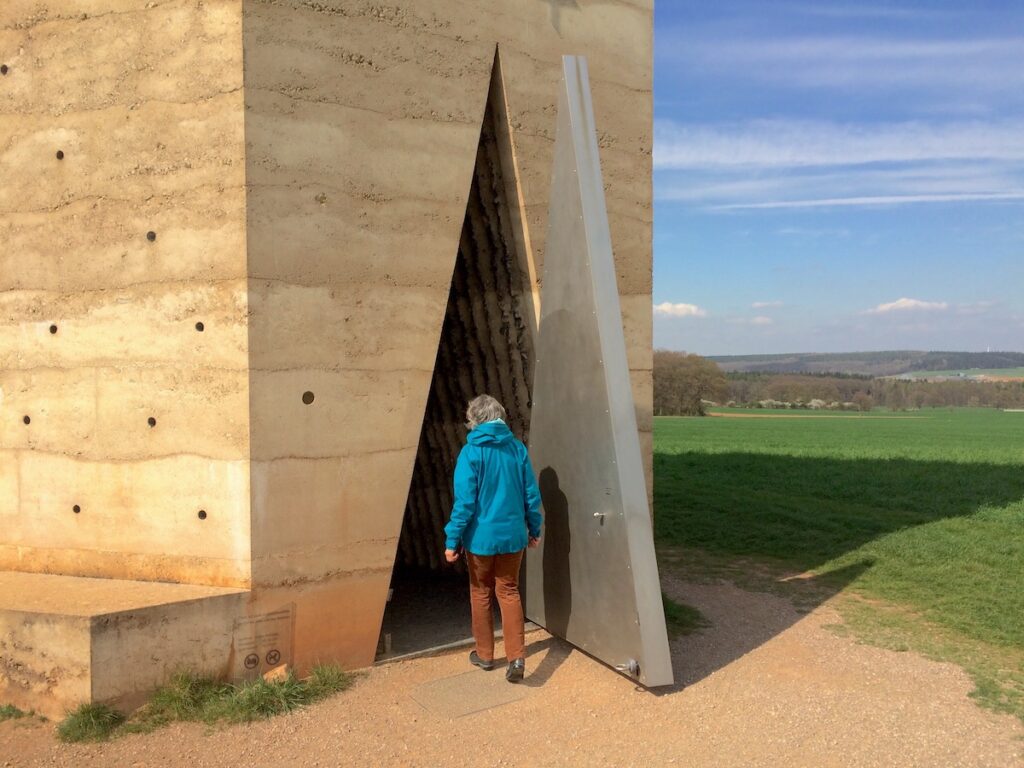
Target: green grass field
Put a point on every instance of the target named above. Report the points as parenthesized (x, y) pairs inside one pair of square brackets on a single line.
[(922, 513)]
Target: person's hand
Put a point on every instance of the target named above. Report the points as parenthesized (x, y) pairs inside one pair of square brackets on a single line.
[(451, 555), (534, 542)]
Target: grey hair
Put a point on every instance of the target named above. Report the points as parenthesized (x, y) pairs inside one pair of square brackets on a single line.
[(483, 408)]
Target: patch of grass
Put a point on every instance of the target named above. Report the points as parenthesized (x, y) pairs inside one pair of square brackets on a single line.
[(90, 722), (260, 699), (925, 513), (682, 619), (185, 698), (11, 712), (328, 679), (191, 698), (996, 671), (935, 504)]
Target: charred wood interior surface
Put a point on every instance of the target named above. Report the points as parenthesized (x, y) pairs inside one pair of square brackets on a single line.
[(485, 347)]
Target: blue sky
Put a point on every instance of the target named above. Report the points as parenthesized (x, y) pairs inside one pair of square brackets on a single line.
[(838, 176)]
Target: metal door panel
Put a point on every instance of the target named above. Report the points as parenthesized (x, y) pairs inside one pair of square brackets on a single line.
[(594, 580)]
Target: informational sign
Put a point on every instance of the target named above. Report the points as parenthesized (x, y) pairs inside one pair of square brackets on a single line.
[(262, 642)]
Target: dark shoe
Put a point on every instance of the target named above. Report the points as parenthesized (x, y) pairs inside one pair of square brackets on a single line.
[(516, 670), (475, 660)]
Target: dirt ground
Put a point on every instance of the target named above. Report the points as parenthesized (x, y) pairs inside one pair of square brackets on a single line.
[(764, 686)]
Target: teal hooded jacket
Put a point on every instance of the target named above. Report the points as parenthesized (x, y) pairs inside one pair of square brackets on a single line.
[(497, 501)]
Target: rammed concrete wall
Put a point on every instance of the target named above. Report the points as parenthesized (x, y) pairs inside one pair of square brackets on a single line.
[(144, 101), (307, 202), (362, 125)]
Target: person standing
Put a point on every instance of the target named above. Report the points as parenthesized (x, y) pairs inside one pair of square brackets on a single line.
[(495, 517)]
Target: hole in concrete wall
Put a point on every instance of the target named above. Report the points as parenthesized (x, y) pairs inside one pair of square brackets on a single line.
[(307, 397), (76, 509), (60, 154), (200, 327), (484, 347), (151, 236), (202, 514), (3, 69), (53, 329), (151, 421), (26, 419)]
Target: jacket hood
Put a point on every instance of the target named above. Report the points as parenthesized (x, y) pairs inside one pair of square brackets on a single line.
[(491, 433)]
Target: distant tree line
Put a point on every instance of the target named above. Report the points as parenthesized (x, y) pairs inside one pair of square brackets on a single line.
[(685, 385), (889, 363), (807, 391)]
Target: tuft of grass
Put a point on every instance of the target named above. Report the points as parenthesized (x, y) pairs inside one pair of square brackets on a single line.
[(328, 679), (90, 722), (186, 697), (682, 619), (11, 712), (259, 699), (192, 698)]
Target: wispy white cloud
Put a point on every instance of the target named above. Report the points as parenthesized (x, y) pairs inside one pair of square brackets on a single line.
[(908, 305), (669, 309), (743, 320), (990, 64), (726, 185), (857, 11), (800, 164), (806, 232), (856, 48), (801, 144), (975, 308), (875, 200), (792, 163), (766, 304)]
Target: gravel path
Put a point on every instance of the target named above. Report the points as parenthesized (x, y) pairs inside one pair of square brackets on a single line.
[(764, 686)]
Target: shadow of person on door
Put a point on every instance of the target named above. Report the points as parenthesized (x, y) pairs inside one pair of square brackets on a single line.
[(556, 542)]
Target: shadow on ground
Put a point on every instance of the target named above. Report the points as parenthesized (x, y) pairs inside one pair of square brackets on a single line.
[(808, 510), (557, 652), (807, 528), (753, 616)]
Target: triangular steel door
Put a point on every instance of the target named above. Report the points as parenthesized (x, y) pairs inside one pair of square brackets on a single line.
[(594, 579)]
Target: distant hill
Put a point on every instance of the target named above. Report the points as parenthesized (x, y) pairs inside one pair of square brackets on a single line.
[(892, 363)]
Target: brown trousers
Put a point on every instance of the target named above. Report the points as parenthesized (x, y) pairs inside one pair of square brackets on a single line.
[(498, 575)]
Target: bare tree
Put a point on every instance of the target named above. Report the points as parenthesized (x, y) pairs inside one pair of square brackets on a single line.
[(864, 401), (683, 382)]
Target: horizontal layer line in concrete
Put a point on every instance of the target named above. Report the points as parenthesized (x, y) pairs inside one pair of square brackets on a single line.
[(391, 116), (114, 366), (331, 457), (78, 18), (109, 290), (347, 283), (129, 106), (242, 456), (163, 556), (298, 581), (371, 197), (245, 456), (173, 195)]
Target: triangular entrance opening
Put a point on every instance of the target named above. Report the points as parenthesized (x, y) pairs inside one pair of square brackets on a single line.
[(485, 346)]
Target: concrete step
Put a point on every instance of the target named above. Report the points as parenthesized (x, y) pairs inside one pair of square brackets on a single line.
[(66, 640)]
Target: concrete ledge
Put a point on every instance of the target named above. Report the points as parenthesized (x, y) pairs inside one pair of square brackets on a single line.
[(65, 640)]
